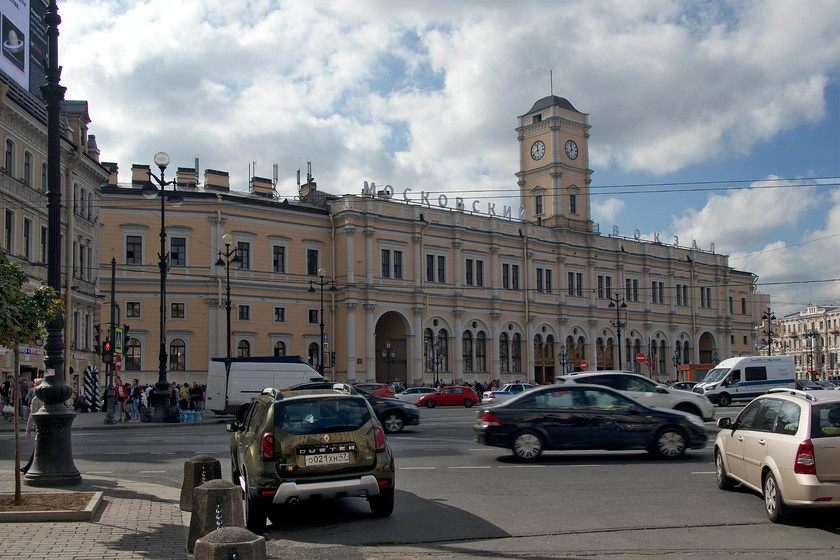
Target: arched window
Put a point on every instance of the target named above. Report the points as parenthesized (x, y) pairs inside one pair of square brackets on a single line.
[(10, 157), (468, 351), (243, 349), (27, 168), (516, 353), (428, 350), (480, 351), (443, 345), (279, 348), (548, 353), (132, 355), (177, 355), (504, 354)]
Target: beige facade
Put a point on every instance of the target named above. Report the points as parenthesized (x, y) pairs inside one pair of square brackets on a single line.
[(461, 295), (811, 336), (23, 202)]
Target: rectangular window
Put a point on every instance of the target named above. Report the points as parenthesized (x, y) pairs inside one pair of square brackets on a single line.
[(8, 229), (243, 251), (178, 310), (312, 262), (631, 289), (572, 204), (506, 276), (43, 255), (538, 205), (278, 258), (430, 268), (82, 266), (243, 312), (548, 280), (27, 239), (313, 316), (514, 276), (657, 291), (398, 267), (132, 309), (579, 282), (743, 306), (731, 305), (479, 273), (469, 279), (279, 314), (178, 251), (539, 280), (441, 270), (385, 261), (604, 287), (133, 249), (27, 168)]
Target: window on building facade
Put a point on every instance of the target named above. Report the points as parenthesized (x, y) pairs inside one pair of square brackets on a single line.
[(467, 351), (27, 239), (631, 289), (177, 355), (279, 314), (313, 355), (279, 348), (243, 349), (441, 269), (131, 357), (385, 261), (8, 231), (516, 353), (505, 276), (731, 305), (178, 251), (435, 268), (514, 276), (398, 264), (133, 249), (469, 277), (539, 279), (243, 312), (178, 310), (479, 273), (504, 353), (132, 309), (538, 205), (572, 204), (27, 168), (604, 286), (657, 292), (480, 351), (43, 177), (82, 264), (243, 251), (313, 316), (575, 280), (391, 263), (10, 157), (43, 250), (743, 306), (278, 258), (312, 262)]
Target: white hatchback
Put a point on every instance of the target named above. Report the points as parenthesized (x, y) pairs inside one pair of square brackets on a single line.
[(646, 391), (413, 394), (785, 445)]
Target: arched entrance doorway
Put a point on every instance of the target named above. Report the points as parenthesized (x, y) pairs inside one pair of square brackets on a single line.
[(707, 349), (391, 349), (544, 359)]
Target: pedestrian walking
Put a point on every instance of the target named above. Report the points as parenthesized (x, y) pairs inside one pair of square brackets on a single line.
[(134, 400), (34, 406), (121, 395)]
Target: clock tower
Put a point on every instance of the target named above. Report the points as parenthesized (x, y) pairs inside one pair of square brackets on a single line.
[(554, 172)]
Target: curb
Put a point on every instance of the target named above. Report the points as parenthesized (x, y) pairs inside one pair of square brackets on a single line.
[(58, 515)]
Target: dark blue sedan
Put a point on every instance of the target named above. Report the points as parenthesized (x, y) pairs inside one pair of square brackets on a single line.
[(585, 417)]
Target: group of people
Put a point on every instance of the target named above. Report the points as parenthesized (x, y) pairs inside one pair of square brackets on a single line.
[(10, 389)]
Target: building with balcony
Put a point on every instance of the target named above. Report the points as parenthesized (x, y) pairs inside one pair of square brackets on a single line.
[(812, 337)]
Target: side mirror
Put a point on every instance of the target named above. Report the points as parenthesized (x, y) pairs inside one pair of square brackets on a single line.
[(662, 389), (724, 423), (233, 427), (635, 409)]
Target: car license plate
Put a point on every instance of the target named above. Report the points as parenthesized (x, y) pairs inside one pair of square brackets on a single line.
[(326, 459)]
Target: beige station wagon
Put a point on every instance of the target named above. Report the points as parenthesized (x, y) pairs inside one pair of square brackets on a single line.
[(785, 445)]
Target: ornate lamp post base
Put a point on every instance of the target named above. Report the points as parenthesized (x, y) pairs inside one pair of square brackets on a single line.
[(53, 464)]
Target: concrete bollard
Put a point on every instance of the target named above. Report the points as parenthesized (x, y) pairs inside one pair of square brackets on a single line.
[(216, 504), (198, 469), (230, 542)]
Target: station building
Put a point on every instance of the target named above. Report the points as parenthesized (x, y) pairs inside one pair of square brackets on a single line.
[(417, 288)]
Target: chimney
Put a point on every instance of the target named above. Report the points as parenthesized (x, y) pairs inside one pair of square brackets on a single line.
[(112, 170), (217, 180), (185, 177), (261, 186), (140, 174), (307, 188), (92, 148)]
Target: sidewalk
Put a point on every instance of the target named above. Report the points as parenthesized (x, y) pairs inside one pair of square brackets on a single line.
[(134, 521)]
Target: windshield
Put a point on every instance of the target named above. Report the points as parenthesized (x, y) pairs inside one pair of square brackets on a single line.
[(715, 375)]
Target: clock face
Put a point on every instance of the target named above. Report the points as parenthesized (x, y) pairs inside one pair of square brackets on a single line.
[(538, 150), (571, 149)]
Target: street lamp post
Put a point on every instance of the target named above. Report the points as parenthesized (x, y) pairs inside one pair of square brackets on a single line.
[(388, 355), (225, 260), (322, 273), (812, 336), (676, 360), (437, 357), (619, 304), (564, 359), (769, 317), (160, 395)]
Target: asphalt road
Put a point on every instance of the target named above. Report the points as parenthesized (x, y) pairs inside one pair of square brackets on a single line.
[(456, 499)]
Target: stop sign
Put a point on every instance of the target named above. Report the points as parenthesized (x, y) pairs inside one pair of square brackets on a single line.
[(641, 358), (583, 365), (117, 363)]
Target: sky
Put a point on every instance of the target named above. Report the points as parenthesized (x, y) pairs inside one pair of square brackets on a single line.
[(711, 121)]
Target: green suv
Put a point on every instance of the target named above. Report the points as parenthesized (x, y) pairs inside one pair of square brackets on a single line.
[(295, 446)]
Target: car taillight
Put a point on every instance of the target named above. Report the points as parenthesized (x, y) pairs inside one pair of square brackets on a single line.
[(490, 419), (267, 447), (805, 463), (379, 438), (491, 396)]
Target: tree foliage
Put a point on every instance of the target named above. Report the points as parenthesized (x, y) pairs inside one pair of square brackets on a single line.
[(23, 310)]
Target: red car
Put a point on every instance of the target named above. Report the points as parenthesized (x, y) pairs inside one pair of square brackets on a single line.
[(454, 395), (377, 389)]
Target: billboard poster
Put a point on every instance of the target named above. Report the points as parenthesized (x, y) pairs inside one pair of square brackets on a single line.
[(23, 43)]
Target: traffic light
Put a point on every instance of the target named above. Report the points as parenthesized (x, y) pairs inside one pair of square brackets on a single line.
[(125, 337), (108, 351), (97, 333), (332, 359)]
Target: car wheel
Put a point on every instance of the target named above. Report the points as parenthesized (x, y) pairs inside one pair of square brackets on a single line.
[(468, 403), (393, 422), (383, 504), (256, 513), (527, 445), (430, 403), (669, 443), (723, 480), (724, 400), (690, 408), (773, 503)]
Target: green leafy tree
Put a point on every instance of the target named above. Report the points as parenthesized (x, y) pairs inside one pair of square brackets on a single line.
[(24, 310)]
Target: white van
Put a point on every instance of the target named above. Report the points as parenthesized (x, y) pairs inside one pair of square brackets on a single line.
[(233, 382), (747, 377)]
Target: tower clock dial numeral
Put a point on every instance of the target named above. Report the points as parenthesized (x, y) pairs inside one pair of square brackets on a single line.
[(571, 149), (538, 150)]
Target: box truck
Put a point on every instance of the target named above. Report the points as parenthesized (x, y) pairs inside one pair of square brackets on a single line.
[(747, 377), (233, 382)]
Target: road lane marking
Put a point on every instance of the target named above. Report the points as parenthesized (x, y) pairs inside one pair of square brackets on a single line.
[(100, 472), (470, 467), (151, 472), (704, 472), (417, 468)]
